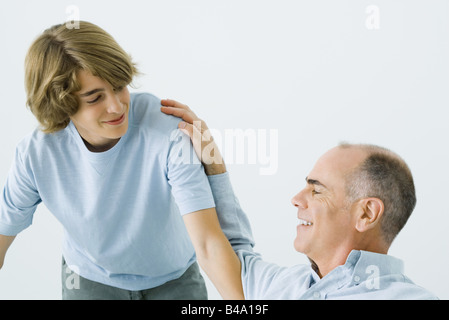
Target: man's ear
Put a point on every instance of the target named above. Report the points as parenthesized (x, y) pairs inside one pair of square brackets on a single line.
[(370, 213)]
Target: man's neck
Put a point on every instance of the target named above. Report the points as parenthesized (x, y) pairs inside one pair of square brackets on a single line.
[(323, 265)]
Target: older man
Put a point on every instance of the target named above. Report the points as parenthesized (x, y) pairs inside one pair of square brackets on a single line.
[(356, 200)]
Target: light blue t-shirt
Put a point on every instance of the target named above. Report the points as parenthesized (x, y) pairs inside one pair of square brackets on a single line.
[(122, 209)]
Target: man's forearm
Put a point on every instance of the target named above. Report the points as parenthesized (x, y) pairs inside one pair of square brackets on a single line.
[(233, 220)]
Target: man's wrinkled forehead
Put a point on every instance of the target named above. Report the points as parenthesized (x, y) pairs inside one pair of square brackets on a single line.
[(332, 167)]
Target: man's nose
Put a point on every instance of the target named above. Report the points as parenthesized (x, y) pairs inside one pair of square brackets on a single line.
[(299, 200)]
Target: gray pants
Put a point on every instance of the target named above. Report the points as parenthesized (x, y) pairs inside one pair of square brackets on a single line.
[(190, 286)]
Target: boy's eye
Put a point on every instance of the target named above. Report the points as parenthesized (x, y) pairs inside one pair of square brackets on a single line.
[(95, 100)]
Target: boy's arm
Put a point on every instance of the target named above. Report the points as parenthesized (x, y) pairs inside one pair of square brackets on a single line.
[(18, 202), (214, 253), (5, 242)]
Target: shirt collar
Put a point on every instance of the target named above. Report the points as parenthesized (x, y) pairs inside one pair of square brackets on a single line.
[(364, 265), (370, 264)]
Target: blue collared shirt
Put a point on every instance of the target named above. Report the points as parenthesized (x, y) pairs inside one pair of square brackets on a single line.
[(365, 275)]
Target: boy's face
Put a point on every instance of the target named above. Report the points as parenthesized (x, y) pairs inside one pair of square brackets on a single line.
[(102, 118)]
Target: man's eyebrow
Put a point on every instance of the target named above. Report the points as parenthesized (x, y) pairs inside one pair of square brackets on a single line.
[(315, 182), (91, 92)]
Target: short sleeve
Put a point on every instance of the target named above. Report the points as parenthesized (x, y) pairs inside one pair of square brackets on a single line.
[(18, 200), (186, 176)]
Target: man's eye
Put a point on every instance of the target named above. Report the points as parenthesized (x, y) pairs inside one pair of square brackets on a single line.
[(314, 192), (95, 100)]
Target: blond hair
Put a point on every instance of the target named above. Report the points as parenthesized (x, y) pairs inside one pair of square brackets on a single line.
[(52, 64)]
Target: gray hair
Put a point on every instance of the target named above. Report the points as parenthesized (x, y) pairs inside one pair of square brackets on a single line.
[(386, 176)]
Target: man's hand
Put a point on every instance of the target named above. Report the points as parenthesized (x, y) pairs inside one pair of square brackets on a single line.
[(203, 142)]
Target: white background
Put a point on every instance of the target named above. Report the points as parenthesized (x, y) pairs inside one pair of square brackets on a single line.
[(312, 70)]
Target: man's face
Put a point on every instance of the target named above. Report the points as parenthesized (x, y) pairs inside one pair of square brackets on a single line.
[(326, 223), (102, 117)]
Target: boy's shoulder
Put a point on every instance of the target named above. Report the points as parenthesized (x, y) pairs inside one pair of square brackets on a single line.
[(145, 112), (37, 140)]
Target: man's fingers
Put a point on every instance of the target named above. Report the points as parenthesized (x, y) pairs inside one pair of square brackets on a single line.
[(199, 134), (193, 133), (174, 103), (191, 122), (184, 114), (187, 128), (173, 111)]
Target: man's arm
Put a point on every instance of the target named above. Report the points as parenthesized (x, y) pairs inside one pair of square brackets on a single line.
[(5, 242), (215, 255), (194, 198), (257, 276), (233, 221), (214, 252)]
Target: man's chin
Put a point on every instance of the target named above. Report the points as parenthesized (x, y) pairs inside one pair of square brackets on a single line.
[(299, 246)]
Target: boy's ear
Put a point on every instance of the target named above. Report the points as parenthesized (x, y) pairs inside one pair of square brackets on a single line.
[(370, 211)]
